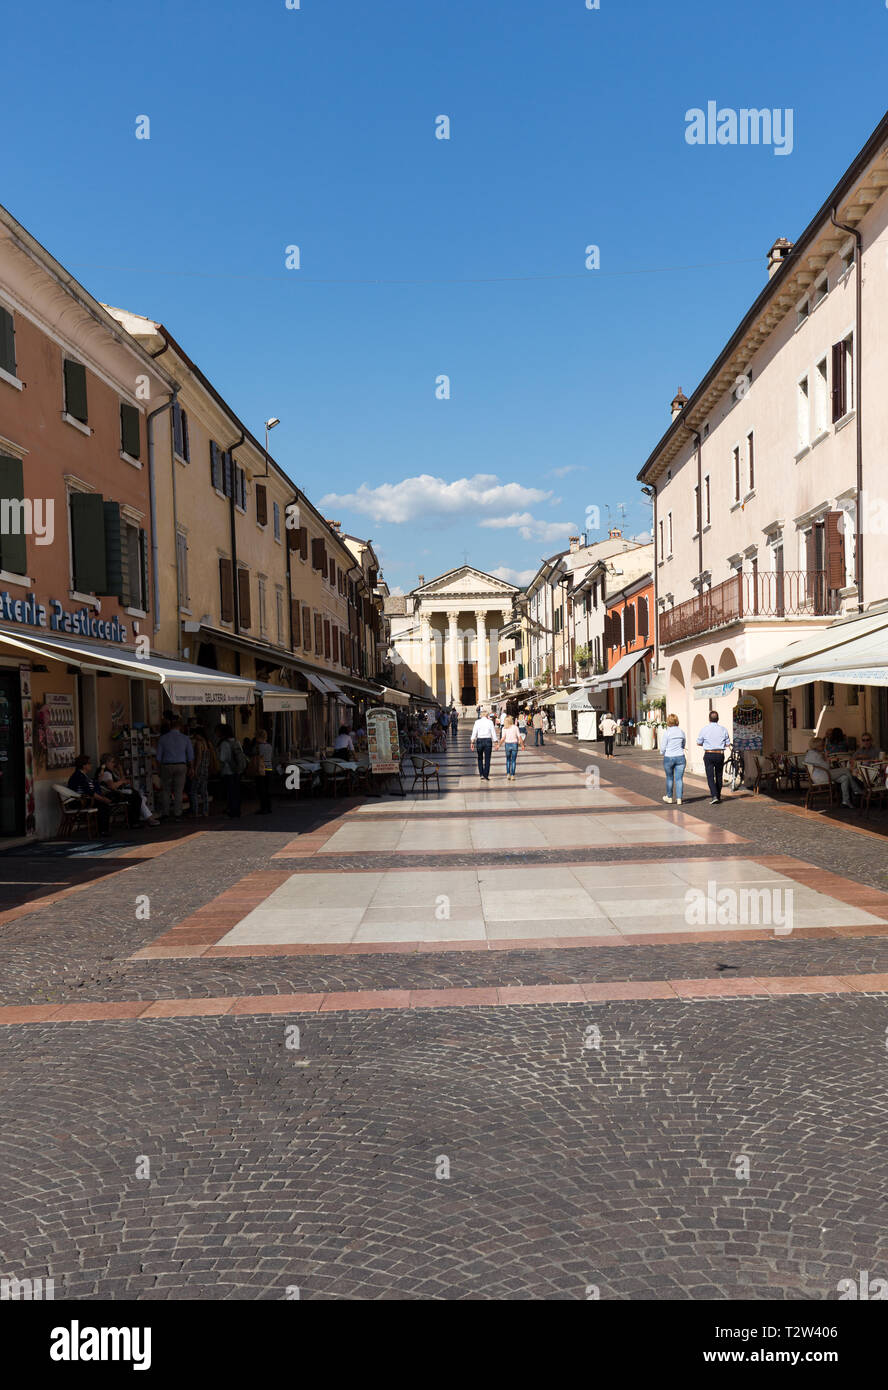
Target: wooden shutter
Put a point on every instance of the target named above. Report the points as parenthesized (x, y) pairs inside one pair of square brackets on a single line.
[(13, 546), (130, 430), (226, 591), (145, 605), (240, 487), (331, 570), (75, 390), (293, 535), (318, 555), (294, 622), (811, 554), (835, 550), (261, 504), (227, 474), (180, 432), (643, 628), (327, 637), (215, 465), (7, 346), (306, 629), (116, 556), (302, 533), (838, 381), (630, 623), (243, 597), (88, 542), (318, 634)]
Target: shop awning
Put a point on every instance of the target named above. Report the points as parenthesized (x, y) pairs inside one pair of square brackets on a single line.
[(851, 651), (322, 683), (580, 698), (278, 699), (560, 697), (613, 679), (391, 696), (185, 684)]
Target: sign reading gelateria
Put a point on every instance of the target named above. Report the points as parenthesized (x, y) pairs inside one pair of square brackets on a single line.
[(194, 693), (58, 619)]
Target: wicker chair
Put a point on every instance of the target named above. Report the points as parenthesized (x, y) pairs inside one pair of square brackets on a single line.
[(73, 813), (425, 772), (872, 777), (813, 789), (335, 776)]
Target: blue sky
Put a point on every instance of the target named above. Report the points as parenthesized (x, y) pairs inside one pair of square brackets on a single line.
[(422, 257)]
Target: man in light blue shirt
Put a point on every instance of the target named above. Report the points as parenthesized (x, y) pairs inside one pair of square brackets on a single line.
[(714, 739), (175, 759)]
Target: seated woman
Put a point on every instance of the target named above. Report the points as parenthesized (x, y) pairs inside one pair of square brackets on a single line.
[(116, 785), (344, 743), (88, 791), (821, 772), (836, 741)]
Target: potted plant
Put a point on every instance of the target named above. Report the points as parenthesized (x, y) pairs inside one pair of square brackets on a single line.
[(582, 656)]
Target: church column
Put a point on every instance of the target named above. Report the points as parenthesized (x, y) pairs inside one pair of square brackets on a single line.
[(428, 652), (482, 655), (454, 685)]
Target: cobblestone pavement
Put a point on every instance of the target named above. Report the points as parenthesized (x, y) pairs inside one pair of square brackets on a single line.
[(657, 1148)]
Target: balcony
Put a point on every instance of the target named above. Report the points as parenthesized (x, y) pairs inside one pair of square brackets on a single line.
[(783, 594)]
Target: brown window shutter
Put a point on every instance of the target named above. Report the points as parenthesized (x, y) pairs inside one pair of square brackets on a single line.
[(292, 538), (838, 381), (835, 550), (294, 621), (261, 504), (331, 565), (326, 637), (306, 629), (319, 634), (643, 617), (243, 597), (302, 533), (318, 555), (811, 554), (630, 623), (226, 591)]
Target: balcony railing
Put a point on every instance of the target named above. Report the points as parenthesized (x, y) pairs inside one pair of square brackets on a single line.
[(772, 594)]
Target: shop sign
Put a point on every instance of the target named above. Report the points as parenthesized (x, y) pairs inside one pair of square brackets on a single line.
[(382, 740), (192, 693), (82, 622)]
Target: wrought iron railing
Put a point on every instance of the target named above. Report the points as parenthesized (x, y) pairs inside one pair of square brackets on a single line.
[(770, 594)]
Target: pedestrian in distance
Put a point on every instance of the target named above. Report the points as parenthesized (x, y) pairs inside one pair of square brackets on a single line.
[(538, 736), (714, 738), (483, 736), (513, 739), (674, 759), (262, 752), (200, 795), (232, 765), (175, 758), (454, 721), (608, 733)]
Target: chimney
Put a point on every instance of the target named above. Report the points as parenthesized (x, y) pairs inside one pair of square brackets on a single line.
[(679, 401), (334, 525), (421, 581), (615, 534), (574, 543), (778, 254)]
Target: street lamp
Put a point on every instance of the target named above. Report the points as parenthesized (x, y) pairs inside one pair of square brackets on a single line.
[(269, 425)]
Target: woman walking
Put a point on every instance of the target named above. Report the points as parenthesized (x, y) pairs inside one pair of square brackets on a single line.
[(674, 760), (511, 737)]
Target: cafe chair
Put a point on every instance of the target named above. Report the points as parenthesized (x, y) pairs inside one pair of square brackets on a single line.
[(74, 814), (335, 776), (872, 777), (813, 789), (425, 772)]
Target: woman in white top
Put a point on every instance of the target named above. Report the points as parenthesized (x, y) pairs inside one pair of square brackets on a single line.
[(513, 739)]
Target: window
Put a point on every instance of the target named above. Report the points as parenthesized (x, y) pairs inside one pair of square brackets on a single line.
[(130, 431), (306, 629), (698, 522), (842, 377), (803, 414), (319, 633), (669, 527), (182, 567), (7, 343), (735, 455), (75, 390), (262, 607), (809, 714), (327, 637), (215, 465), (821, 290), (13, 539), (261, 505), (133, 590), (802, 312), (848, 257), (821, 397), (181, 443), (707, 502), (243, 597), (279, 615), (226, 591), (319, 555), (750, 461), (661, 543), (276, 514)]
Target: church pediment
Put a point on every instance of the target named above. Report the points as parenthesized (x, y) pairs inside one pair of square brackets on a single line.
[(466, 582)]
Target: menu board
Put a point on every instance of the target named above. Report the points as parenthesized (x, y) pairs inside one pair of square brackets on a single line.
[(382, 740), (58, 720), (749, 724)]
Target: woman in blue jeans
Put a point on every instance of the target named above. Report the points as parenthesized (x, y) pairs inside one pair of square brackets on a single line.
[(511, 737), (673, 750)]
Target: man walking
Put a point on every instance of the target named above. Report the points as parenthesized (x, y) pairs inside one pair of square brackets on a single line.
[(175, 759), (483, 734), (714, 739), (538, 740), (608, 733)]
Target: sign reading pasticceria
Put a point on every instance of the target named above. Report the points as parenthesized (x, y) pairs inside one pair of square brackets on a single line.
[(32, 613)]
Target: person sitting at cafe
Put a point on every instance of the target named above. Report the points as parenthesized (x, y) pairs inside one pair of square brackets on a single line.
[(118, 788), (836, 741), (821, 772), (867, 752), (344, 743), (88, 791)]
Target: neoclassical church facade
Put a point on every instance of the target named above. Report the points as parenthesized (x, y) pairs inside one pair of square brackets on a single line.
[(445, 636)]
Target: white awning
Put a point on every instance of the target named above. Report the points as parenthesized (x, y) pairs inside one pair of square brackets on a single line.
[(580, 699), (185, 684), (613, 678), (279, 699), (390, 696), (560, 697), (851, 651)]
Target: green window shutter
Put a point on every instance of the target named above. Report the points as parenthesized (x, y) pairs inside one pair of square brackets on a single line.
[(227, 479), (7, 344), (88, 542), (13, 544), (116, 566), (145, 605), (215, 465), (130, 433), (75, 390)]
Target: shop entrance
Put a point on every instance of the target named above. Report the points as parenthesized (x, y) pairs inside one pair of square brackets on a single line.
[(12, 766)]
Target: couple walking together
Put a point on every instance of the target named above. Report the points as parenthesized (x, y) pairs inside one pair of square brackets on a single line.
[(713, 739), (483, 738)]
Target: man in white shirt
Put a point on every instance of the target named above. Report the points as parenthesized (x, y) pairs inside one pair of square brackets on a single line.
[(483, 735)]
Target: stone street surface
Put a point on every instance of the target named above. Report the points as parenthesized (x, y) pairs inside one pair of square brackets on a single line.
[(548, 1038)]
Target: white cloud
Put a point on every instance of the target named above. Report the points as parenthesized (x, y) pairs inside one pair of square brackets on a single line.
[(396, 591), (568, 468), (423, 498), (520, 577), (529, 528), (643, 538)]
